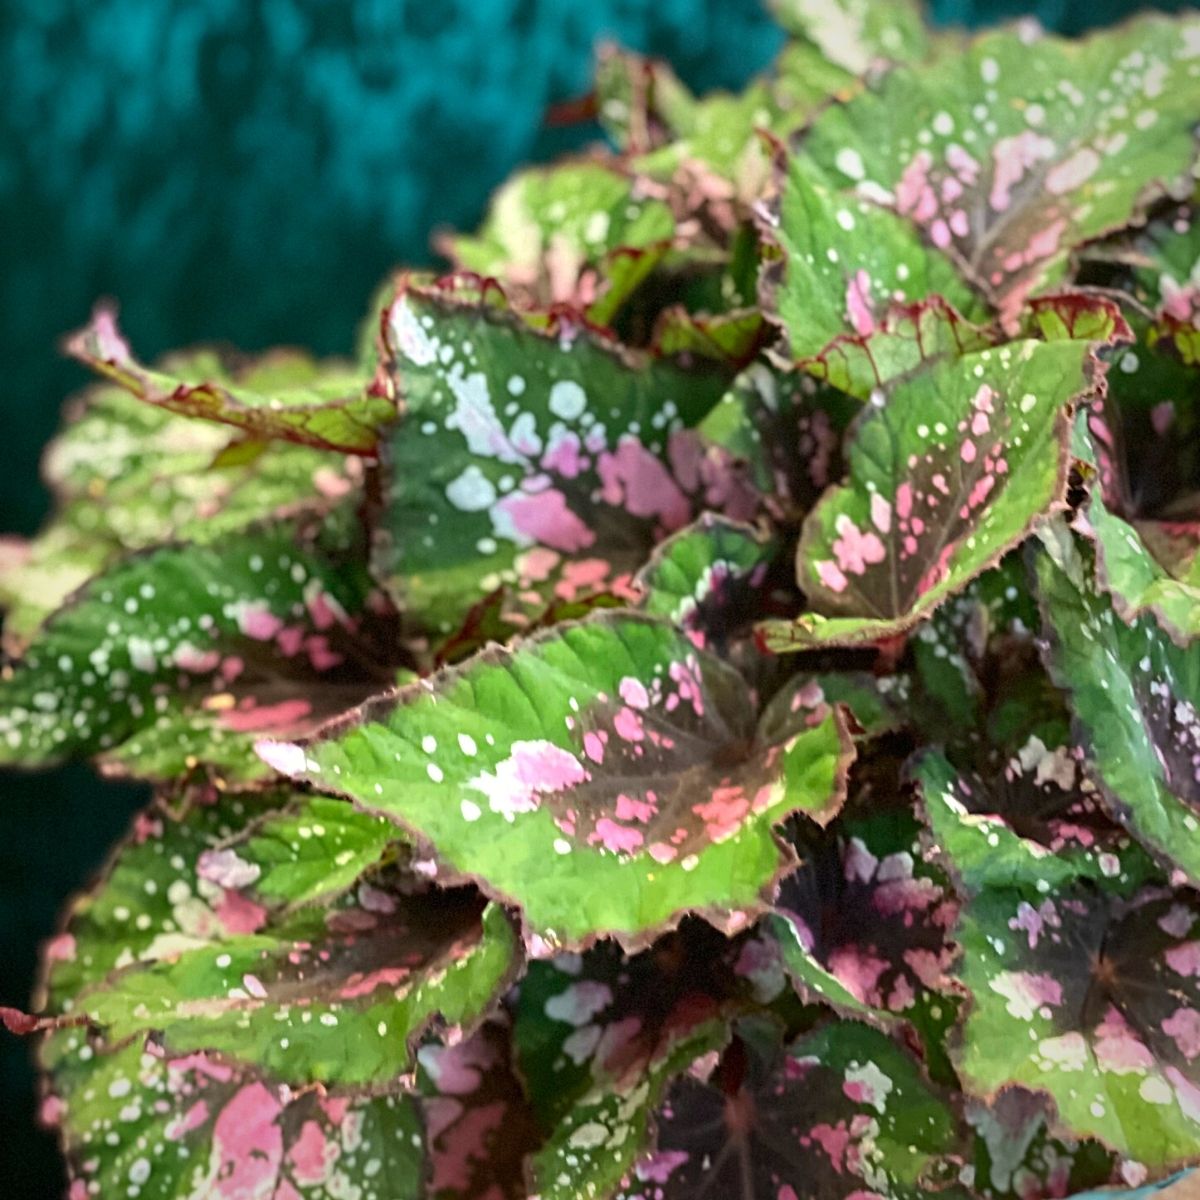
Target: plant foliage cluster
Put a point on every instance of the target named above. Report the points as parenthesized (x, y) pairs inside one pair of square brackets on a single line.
[(706, 702)]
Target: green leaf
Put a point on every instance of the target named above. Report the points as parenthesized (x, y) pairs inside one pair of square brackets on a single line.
[(311, 849), (180, 940), (545, 462), (333, 411), (879, 704), (335, 996), (599, 1139), (189, 653), (127, 475), (949, 473), (1136, 580), (848, 264), (1167, 263), (150, 901), (1035, 822), (167, 1128), (1134, 695), (601, 1020), (553, 235), (1094, 1000), (1011, 152), (864, 923), (1147, 433), (788, 429), (843, 1112), (620, 759), (855, 34)]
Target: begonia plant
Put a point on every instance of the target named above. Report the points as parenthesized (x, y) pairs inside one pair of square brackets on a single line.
[(703, 702)]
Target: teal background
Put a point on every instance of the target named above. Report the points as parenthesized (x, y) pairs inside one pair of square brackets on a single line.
[(247, 170)]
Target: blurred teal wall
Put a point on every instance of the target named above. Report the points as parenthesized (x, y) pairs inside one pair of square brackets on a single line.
[(247, 170)]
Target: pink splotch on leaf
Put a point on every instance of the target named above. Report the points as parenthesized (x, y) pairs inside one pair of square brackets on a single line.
[(543, 517)]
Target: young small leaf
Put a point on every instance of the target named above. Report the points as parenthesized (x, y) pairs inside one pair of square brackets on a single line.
[(949, 473), (331, 412)]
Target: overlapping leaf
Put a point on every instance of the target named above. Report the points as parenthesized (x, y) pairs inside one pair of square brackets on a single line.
[(707, 578), (600, 1036), (1034, 821), (843, 1112), (310, 849), (1134, 695), (1143, 512), (548, 463), (1094, 1000), (165, 1128), (864, 924), (188, 653), (1137, 580), (552, 234), (603, 1019), (1082, 980), (335, 994), (607, 777), (330, 412), (204, 867), (1017, 1155), (847, 263), (478, 1124), (1010, 152), (945, 476), (788, 429), (127, 475)]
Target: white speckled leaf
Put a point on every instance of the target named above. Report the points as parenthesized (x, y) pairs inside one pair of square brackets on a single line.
[(1134, 694), (552, 234), (1010, 153), (186, 654), (607, 777), (548, 463), (141, 1122), (948, 473), (841, 1113)]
